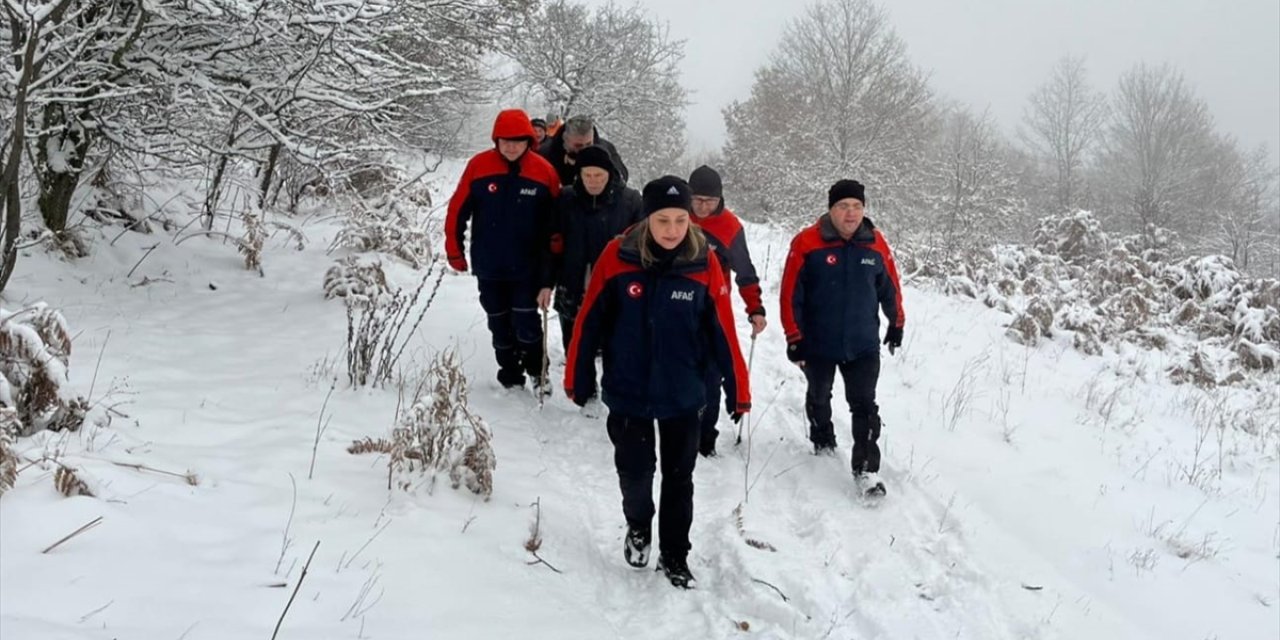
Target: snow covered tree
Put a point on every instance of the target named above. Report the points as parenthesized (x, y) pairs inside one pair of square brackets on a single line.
[(1242, 215), (616, 65), (971, 191), (838, 99), (1062, 120), (1157, 148)]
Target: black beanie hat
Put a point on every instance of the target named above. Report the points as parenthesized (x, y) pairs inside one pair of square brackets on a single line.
[(665, 192), (595, 156), (704, 181), (539, 122), (845, 189)]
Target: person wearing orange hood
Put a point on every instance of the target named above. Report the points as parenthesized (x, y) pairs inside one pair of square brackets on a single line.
[(507, 196)]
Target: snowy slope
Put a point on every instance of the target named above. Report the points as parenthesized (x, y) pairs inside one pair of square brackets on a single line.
[(1034, 493)]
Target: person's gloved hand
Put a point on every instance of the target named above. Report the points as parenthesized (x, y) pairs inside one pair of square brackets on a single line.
[(893, 338), (735, 417), (795, 352), (458, 263)]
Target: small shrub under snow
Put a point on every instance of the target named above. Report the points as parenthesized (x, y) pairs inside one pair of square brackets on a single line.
[(35, 351), (1220, 324)]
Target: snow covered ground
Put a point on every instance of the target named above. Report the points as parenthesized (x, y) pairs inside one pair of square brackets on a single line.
[(1034, 493)]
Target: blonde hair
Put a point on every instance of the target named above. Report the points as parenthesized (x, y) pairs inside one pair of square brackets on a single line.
[(692, 245)]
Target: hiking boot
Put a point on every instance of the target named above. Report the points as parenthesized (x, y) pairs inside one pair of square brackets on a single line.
[(511, 378), (636, 545), (677, 571), (824, 448), (869, 483)]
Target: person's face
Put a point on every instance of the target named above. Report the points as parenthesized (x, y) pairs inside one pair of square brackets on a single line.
[(594, 180), (512, 149), (539, 134), (704, 206), (573, 144), (669, 227), (846, 215)]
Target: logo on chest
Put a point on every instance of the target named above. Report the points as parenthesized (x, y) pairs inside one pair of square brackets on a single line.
[(870, 261), (493, 187), (635, 289), (831, 259), (687, 296), (528, 192)]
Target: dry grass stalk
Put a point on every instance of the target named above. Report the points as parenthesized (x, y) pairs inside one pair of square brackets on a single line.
[(742, 531), (369, 445), (68, 483)]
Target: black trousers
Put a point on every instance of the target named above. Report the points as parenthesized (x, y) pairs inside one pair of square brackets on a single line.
[(512, 308), (860, 378), (634, 456), (567, 306), (712, 380)]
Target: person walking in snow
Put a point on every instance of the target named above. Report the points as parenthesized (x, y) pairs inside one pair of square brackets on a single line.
[(508, 196), (592, 211), (577, 133), (659, 307), (839, 270), (729, 242)]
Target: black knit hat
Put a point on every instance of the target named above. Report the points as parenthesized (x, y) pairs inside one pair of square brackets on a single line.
[(594, 156), (704, 181), (845, 189), (667, 192)]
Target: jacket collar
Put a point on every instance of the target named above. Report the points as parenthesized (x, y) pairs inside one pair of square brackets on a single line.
[(865, 233)]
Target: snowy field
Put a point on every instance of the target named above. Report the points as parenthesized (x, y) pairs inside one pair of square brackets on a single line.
[(1033, 492)]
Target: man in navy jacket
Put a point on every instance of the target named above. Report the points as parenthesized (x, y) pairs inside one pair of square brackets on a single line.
[(839, 273)]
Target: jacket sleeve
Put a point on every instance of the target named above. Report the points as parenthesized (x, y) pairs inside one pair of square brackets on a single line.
[(455, 224), (718, 320), (888, 286), (792, 298), (588, 329), (559, 229), (548, 247), (745, 274)]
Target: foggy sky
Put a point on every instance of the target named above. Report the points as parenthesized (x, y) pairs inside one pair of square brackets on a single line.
[(993, 53)]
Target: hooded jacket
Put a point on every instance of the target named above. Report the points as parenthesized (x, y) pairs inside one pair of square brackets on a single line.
[(510, 207), (832, 289), (660, 326)]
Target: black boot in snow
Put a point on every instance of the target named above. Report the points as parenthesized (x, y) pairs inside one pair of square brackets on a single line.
[(635, 546), (677, 571)]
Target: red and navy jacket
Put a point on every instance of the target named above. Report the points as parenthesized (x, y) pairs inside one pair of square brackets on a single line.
[(727, 238), (660, 328), (510, 207), (832, 288)]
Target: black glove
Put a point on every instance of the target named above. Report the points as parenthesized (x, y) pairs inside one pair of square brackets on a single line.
[(893, 338), (795, 351), (735, 417)]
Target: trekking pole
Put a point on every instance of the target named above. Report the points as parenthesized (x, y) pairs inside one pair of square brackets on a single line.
[(546, 363), (750, 358)]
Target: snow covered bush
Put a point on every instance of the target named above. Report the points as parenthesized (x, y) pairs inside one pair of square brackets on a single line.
[(390, 225), (352, 276), (439, 433), (1220, 324), (35, 351), (9, 426), (376, 336)]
